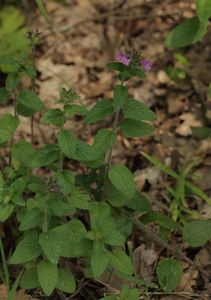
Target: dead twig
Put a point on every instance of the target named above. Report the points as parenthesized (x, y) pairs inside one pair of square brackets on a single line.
[(164, 244)]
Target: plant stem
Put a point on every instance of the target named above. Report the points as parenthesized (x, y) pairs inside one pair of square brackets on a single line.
[(155, 238), (109, 155), (4, 263), (45, 222), (15, 114), (33, 89), (60, 163)]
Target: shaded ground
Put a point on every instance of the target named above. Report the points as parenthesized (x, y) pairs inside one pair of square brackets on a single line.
[(87, 34)]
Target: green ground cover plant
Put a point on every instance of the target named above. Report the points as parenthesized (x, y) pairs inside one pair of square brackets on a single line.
[(185, 34), (13, 38), (47, 208)]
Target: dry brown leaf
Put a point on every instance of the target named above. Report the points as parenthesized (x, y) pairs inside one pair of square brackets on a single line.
[(205, 211), (188, 121), (188, 280), (113, 283), (202, 258), (3, 292), (176, 297), (144, 259), (151, 174), (162, 77), (176, 103), (20, 295)]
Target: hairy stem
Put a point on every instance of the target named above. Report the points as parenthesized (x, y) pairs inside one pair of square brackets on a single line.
[(15, 114), (33, 89), (4, 263), (60, 163), (109, 155)]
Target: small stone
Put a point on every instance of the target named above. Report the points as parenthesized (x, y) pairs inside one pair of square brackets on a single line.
[(162, 77), (160, 92)]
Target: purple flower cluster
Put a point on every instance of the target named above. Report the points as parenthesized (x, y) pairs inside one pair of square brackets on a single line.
[(146, 64), (123, 58), (126, 60)]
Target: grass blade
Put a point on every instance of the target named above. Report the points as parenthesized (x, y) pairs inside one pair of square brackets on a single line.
[(43, 11), (12, 292)]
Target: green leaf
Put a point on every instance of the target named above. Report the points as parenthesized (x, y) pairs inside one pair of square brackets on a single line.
[(70, 235), (104, 140), (46, 156), (79, 198), (8, 125), (99, 111), (31, 219), (22, 154), (129, 293), (203, 9), (30, 100), (169, 272), (115, 197), (67, 142), (68, 96), (118, 66), (54, 117), (86, 152), (139, 203), (121, 262), (60, 208), (166, 222), (29, 279), (82, 247), (3, 95), (99, 259), (28, 249), (6, 211), (134, 128), (66, 281), (125, 75), (136, 110), (99, 212), (49, 242), (201, 132), (12, 81), (11, 19), (114, 238), (47, 276), (189, 32), (120, 96), (123, 224), (66, 181), (136, 72), (75, 110), (121, 177), (15, 43), (197, 233), (24, 111)]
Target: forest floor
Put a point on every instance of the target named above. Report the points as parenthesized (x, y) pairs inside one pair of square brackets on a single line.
[(87, 35)]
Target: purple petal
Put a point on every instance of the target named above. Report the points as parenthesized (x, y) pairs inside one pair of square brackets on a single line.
[(146, 64), (123, 58)]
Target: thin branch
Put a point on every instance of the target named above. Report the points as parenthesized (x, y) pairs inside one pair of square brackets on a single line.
[(164, 244)]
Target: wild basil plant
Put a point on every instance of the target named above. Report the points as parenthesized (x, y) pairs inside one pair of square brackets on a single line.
[(66, 215)]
